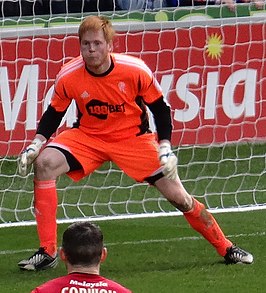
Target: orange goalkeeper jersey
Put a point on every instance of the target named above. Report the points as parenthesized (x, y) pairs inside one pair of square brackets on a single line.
[(111, 105)]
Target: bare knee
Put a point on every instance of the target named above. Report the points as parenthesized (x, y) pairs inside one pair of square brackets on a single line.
[(49, 165), (43, 166), (184, 205), (175, 193)]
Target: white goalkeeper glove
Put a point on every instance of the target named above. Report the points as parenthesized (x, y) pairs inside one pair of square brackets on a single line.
[(168, 160), (29, 155)]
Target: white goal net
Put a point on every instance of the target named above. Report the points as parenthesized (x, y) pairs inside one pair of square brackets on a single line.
[(213, 73)]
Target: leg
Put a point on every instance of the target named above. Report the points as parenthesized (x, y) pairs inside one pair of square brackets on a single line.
[(201, 220), (138, 157), (48, 166), (52, 162), (141, 157), (45, 207)]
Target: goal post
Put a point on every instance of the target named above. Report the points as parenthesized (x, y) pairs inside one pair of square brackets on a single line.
[(213, 74)]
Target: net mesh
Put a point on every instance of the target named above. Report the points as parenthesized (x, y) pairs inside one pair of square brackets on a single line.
[(213, 74)]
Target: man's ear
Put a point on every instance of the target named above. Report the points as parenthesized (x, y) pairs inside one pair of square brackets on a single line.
[(62, 254), (111, 46), (104, 254)]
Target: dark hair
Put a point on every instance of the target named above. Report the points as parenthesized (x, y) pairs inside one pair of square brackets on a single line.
[(83, 243)]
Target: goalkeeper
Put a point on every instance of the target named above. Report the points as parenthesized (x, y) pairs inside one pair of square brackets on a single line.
[(112, 93)]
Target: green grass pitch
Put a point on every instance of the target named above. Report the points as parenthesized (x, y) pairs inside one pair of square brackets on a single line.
[(153, 255)]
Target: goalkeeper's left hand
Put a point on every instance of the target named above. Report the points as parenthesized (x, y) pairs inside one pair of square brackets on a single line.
[(168, 160), (29, 155)]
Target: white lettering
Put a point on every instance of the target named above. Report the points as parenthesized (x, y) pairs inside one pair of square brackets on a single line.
[(28, 80), (247, 107), (90, 285), (231, 109), (192, 104), (28, 85), (86, 290), (211, 95), (166, 83)]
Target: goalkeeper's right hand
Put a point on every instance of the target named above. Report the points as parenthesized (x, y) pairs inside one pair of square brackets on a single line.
[(29, 155)]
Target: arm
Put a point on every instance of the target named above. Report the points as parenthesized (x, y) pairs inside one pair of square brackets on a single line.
[(49, 122), (259, 4), (47, 126), (231, 4), (162, 117)]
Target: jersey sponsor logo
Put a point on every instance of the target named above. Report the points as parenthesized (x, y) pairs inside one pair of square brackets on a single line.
[(87, 287), (101, 109), (88, 284)]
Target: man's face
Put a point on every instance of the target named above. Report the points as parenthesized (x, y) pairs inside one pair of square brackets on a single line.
[(95, 51)]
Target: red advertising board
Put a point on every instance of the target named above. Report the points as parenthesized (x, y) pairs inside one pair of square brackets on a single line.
[(213, 77)]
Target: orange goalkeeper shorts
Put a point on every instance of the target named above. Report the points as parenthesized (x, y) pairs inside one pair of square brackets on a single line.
[(136, 156)]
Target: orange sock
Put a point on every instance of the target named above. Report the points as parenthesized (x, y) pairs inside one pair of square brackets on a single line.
[(204, 223), (45, 205)]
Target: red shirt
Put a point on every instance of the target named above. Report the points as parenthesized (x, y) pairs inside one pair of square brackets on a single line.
[(81, 283)]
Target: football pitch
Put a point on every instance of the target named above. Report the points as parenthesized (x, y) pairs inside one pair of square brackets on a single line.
[(152, 255)]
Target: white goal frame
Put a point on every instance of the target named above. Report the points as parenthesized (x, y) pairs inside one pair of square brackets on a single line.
[(131, 26)]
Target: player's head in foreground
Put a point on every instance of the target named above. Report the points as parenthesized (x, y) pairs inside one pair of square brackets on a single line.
[(96, 42), (82, 247)]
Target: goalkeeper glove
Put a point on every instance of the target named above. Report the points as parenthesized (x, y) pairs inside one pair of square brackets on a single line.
[(168, 160), (29, 155)]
